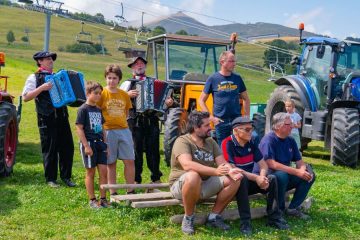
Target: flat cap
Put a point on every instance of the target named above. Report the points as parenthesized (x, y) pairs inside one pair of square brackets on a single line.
[(44, 54), (134, 59), (240, 121)]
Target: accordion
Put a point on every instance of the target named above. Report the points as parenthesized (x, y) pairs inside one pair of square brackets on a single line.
[(152, 94), (67, 88)]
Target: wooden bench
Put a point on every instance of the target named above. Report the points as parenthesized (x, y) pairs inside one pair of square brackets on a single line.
[(164, 198)]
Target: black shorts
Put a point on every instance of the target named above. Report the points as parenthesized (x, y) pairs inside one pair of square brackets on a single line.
[(99, 154)]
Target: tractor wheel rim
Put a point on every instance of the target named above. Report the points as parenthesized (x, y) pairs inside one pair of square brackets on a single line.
[(10, 144)]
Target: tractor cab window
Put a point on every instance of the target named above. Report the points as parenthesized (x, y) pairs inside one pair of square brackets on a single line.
[(315, 67), (349, 61), (156, 60), (193, 58)]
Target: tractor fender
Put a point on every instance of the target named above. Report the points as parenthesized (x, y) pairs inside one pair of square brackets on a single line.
[(302, 87)]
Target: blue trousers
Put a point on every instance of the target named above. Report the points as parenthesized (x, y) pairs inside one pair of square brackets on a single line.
[(287, 182), (223, 130)]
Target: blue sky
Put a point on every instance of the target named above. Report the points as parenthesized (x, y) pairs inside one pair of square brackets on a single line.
[(334, 18)]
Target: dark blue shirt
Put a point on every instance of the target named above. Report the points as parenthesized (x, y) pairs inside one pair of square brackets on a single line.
[(244, 157), (281, 150), (225, 91), (92, 120)]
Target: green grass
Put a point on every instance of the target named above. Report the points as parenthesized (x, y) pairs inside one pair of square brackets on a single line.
[(31, 210)]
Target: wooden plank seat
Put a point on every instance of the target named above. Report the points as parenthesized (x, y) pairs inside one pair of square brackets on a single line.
[(164, 198)]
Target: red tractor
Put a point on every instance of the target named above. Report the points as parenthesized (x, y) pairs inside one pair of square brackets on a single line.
[(9, 122)]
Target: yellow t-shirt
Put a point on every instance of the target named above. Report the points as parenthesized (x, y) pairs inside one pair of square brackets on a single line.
[(114, 108)]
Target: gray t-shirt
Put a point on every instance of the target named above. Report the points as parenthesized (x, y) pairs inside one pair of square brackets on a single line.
[(205, 155)]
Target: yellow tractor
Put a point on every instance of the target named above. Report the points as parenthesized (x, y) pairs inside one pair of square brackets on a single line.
[(184, 62)]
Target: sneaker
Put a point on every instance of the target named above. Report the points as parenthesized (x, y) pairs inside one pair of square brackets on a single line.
[(69, 183), (103, 203), (187, 225), (296, 212), (53, 184), (94, 204), (245, 228), (217, 222), (280, 224)]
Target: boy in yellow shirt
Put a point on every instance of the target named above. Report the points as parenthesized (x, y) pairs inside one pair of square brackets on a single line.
[(115, 104)]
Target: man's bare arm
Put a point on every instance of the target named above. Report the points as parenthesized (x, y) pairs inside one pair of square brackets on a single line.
[(246, 102)]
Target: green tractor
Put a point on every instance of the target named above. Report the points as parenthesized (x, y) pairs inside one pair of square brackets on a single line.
[(326, 92)]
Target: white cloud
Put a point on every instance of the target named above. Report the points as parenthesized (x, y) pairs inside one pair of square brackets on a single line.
[(309, 18), (199, 6), (327, 33), (109, 8)]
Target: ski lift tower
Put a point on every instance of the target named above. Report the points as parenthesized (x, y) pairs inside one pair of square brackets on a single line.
[(48, 7)]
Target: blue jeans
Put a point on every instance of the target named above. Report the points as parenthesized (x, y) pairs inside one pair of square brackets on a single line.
[(223, 130), (287, 182)]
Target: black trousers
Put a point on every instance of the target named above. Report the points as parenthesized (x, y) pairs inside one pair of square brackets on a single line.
[(146, 135), (247, 188), (57, 146)]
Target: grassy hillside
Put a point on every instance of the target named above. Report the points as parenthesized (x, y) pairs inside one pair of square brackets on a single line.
[(31, 210)]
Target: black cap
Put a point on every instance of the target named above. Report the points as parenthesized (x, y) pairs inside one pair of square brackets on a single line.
[(44, 54), (133, 60), (241, 121)]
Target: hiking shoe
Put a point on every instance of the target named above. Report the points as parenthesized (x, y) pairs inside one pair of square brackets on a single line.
[(69, 183), (187, 225), (245, 228), (217, 222), (296, 212), (280, 224), (103, 203), (94, 204), (53, 184)]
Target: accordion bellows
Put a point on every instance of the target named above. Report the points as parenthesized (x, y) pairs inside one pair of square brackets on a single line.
[(68, 88)]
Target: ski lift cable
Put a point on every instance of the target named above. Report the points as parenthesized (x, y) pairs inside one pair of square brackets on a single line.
[(200, 27), (214, 31), (205, 15), (210, 30), (105, 29)]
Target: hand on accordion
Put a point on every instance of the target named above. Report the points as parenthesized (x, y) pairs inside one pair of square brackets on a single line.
[(46, 86), (133, 93)]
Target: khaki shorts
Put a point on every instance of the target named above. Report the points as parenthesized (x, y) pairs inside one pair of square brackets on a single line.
[(209, 187)]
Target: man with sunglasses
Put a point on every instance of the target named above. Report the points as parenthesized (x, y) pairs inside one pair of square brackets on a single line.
[(240, 150), (279, 150)]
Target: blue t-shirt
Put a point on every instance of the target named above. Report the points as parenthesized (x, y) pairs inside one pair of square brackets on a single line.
[(225, 91), (244, 157), (281, 150)]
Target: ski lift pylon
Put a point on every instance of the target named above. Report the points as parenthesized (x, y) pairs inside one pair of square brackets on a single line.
[(142, 33)]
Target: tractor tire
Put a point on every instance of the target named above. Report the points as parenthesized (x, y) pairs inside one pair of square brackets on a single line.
[(345, 137), (8, 138), (276, 104), (259, 124), (175, 125)]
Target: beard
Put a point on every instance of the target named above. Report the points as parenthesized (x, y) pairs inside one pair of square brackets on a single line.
[(204, 135), (140, 71)]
